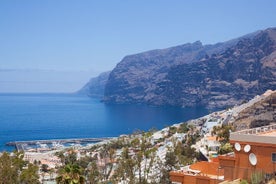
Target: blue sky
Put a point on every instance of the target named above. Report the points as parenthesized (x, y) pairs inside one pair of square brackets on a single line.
[(83, 38)]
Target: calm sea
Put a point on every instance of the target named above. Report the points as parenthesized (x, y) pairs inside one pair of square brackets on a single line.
[(54, 116)]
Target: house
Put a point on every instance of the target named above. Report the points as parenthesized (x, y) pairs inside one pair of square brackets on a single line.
[(209, 124), (199, 173), (254, 153)]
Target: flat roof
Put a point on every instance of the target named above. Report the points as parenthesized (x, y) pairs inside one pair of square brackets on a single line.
[(264, 134)]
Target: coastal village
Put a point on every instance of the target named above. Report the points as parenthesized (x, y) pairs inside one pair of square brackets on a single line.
[(137, 92), (198, 151)]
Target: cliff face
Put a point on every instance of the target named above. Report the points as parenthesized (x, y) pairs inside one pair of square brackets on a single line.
[(96, 86), (225, 79), (217, 75), (136, 78)]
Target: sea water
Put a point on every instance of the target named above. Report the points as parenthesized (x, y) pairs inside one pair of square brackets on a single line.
[(58, 116)]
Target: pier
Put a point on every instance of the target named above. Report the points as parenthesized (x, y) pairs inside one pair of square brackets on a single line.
[(19, 145)]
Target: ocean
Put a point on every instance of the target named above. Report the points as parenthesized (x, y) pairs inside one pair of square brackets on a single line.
[(59, 116)]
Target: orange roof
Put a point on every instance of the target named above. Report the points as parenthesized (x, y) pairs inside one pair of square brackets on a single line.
[(208, 168), (211, 138), (215, 159)]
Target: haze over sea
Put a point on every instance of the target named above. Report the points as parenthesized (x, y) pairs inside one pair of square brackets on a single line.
[(56, 116)]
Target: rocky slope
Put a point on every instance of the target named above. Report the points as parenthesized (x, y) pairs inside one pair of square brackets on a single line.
[(217, 75), (257, 112)]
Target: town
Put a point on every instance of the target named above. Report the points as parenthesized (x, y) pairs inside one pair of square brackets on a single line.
[(211, 149)]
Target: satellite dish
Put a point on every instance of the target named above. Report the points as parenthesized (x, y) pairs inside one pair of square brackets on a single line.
[(247, 148), (237, 146), (252, 159)]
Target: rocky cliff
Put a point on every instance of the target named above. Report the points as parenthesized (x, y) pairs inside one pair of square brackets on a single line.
[(239, 73), (96, 86), (217, 75)]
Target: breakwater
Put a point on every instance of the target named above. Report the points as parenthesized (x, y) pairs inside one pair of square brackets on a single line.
[(21, 145)]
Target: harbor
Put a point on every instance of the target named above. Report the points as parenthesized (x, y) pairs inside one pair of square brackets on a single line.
[(54, 144)]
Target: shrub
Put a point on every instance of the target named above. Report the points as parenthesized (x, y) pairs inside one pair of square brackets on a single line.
[(244, 182), (257, 177)]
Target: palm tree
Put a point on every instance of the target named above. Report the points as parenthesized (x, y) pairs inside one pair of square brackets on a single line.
[(94, 174), (70, 174), (30, 175), (222, 132)]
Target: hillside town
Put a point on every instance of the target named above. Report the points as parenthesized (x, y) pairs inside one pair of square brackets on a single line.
[(182, 153), (137, 92)]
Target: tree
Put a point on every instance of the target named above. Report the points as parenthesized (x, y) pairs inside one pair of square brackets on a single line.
[(61, 156), (222, 132), (44, 168), (9, 171), (93, 174), (225, 148), (107, 157), (30, 175), (13, 169), (170, 160), (70, 174), (71, 158), (183, 128), (126, 167)]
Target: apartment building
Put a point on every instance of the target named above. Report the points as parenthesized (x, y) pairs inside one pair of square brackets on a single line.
[(254, 153)]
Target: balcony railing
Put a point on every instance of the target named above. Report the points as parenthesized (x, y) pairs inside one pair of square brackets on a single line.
[(264, 134), (259, 130)]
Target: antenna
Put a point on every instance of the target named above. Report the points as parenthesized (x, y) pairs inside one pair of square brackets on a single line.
[(247, 148), (252, 159), (237, 146)]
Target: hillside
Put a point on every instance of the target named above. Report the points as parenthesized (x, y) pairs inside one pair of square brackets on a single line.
[(257, 112)]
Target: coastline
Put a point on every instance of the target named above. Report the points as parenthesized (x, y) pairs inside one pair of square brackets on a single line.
[(69, 116)]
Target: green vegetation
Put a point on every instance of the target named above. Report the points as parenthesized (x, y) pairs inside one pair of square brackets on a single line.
[(29, 175), (257, 177), (137, 161), (243, 182), (223, 134), (131, 159), (225, 148), (70, 174), (13, 169), (183, 128), (172, 130)]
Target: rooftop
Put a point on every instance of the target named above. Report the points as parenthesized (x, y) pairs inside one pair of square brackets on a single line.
[(203, 168), (264, 134)]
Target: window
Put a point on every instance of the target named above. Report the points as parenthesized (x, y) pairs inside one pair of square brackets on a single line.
[(273, 157)]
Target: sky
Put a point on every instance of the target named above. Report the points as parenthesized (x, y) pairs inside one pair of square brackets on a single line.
[(57, 46)]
